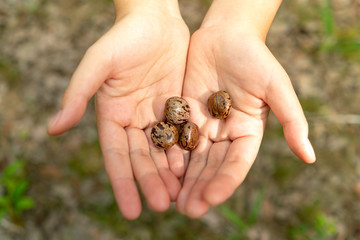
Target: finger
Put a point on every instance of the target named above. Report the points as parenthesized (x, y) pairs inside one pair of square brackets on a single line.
[(158, 155), (197, 162), (238, 161), (196, 205), (175, 156), (115, 149), (145, 171), (283, 101), (86, 80), (187, 155)]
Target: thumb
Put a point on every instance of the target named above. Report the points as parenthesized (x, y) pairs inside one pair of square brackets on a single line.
[(86, 80), (283, 101)]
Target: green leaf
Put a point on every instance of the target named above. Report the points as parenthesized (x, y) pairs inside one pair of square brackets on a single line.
[(10, 187), (346, 46), (24, 204), (300, 232), (19, 190), (2, 213), (255, 209), (233, 218), (11, 170), (3, 202), (327, 17), (324, 226)]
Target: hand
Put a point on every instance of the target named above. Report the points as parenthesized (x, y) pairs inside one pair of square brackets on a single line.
[(225, 57), (133, 69)]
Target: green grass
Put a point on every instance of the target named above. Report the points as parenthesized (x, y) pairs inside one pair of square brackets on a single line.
[(244, 221), (150, 225), (314, 224), (332, 39), (14, 185), (327, 17), (343, 41), (319, 227)]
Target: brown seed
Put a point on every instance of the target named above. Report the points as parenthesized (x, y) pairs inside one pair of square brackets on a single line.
[(177, 110), (179, 127), (219, 105), (164, 135), (189, 136)]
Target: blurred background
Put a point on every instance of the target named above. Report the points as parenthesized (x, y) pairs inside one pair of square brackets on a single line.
[(56, 187)]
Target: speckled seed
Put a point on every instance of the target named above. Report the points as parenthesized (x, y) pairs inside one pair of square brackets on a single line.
[(179, 127), (189, 136), (219, 105), (177, 110), (164, 135)]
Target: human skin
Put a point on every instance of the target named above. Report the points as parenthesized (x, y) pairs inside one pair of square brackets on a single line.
[(133, 69), (228, 53), (140, 62)]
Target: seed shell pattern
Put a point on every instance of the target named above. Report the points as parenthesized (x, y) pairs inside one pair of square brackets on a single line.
[(164, 135), (219, 105), (177, 110), (189, 136)]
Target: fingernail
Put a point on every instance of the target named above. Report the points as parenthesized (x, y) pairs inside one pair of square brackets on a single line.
[(55, 119), (310, 152)]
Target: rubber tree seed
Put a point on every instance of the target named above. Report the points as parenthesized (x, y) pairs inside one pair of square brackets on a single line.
[(189, 136), (177, 110), (164, 135), (219, 105)]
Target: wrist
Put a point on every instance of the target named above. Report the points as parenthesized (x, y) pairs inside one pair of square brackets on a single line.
[(167, 7), (252, 17)]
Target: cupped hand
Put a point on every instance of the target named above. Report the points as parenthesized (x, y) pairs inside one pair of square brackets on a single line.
[(133, 69), (226, 58)]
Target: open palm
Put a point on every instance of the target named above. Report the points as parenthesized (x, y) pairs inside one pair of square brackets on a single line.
[(227, 59), (133, 69)]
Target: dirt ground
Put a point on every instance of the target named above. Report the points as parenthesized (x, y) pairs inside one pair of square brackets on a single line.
[(41, 43)]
